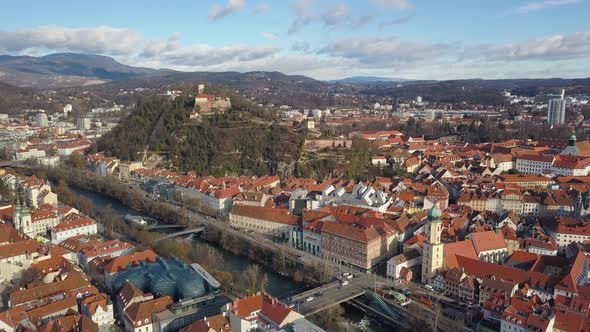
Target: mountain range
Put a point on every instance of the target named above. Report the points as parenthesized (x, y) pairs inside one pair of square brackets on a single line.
[(367, 79), (79, 70), (66, 69)]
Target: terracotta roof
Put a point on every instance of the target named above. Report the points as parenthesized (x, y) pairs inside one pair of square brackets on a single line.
[(9, 234), (219, 323), (569, 226), (461, 248), (105, 248), (39, 215), (74, 280), (142, 311), (76, 223), (247, 306), (19, 248), (486, 241), (274, 310), (52, 308), (92, 303), (70, 323), (263, 213), (122, 262)]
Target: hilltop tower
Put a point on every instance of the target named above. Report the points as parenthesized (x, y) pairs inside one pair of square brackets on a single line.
[(432, 253)]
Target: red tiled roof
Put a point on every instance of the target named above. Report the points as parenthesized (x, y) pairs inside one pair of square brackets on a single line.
[(263, 213), (122, 262), (486, 241), (142, 311)]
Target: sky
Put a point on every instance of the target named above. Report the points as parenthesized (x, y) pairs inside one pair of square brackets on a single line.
[(323, 39)]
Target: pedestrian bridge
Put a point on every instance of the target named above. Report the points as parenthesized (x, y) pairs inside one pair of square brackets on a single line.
[(195, 230)]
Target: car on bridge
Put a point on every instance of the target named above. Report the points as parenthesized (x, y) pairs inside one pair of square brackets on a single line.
[(309, 298)]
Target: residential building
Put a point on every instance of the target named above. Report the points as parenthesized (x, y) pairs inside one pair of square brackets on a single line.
[(556, 111)]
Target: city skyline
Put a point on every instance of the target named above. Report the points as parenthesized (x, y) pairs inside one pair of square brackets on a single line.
[(410, 39)]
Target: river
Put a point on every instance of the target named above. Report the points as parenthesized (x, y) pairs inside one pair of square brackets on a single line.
[(278, 286)]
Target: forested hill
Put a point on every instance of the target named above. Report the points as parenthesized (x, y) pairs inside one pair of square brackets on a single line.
[(228, 143)]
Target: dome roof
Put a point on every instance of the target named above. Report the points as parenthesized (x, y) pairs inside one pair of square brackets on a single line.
[(164, 277), (434, 214)]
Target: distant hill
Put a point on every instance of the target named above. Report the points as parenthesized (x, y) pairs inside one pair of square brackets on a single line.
[(367, 79), (66, 69)]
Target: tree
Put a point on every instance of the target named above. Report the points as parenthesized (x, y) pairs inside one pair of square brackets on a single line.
[(76, 160), (330, 319), (29, 276)]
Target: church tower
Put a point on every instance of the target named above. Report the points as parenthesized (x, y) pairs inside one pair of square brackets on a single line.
[(432, 253), (22, 216)]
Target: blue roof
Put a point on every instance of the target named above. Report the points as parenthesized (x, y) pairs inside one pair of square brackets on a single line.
[(164, 277)]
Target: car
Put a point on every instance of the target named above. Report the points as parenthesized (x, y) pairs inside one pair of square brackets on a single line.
[(344, 283), (429, 287), (292, 305), (349, 276), (309, 298)]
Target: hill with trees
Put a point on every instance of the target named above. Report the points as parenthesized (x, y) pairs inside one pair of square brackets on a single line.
[(232, 143)]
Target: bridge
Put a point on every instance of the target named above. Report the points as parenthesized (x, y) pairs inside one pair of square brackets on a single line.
[(158, 227), (195, 230), (329, 294)]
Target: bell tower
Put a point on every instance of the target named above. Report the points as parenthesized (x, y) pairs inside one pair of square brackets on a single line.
[(432, 253)]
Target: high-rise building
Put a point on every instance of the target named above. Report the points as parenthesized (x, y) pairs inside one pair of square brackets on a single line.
[(201, 88), (556, 111), (84, 122), (42, 120)]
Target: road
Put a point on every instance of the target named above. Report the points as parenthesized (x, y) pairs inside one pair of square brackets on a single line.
[(328, 295)]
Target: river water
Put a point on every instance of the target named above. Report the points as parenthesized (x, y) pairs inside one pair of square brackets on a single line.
[(278, 286)]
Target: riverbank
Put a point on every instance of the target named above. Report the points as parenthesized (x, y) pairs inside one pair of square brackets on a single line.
[(278, 262)]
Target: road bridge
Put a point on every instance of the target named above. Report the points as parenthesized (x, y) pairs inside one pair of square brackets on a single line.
[(330, 294)]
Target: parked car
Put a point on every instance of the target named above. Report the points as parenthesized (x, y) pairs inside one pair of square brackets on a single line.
[(309, 298)]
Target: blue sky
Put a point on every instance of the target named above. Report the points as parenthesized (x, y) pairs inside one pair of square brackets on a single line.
[(325, 39)]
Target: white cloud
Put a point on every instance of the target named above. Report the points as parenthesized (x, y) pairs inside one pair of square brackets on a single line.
[(217, 12), (400, 20), (262, 8), (269, 35), (336, 15), (397, 4), (387, 52), (83, 40), (304, 14), (536, 6), (556, 55), (556, 47)]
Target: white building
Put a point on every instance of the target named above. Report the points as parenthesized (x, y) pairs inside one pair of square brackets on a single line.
[(29, 153), (268, 221), (556, 111), (408, 259), (84, 123), (99, 309), (41, 120), (76, 225), (534, 164)]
